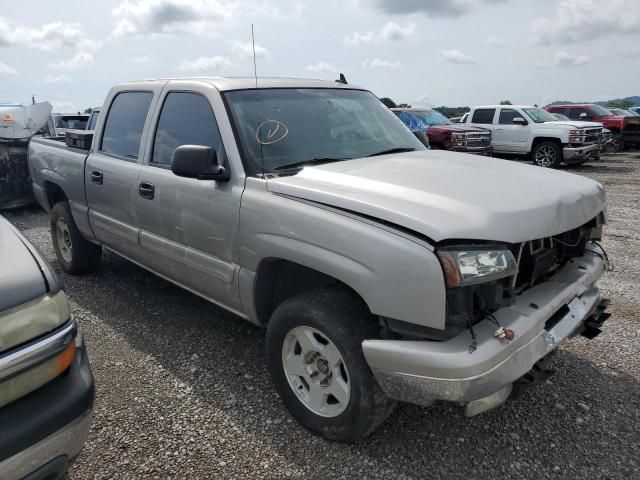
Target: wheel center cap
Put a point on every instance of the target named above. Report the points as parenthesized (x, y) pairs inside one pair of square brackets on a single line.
[(323, 366)]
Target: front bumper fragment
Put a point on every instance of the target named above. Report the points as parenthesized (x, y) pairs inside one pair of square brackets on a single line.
[(579, 154), (422, 372)]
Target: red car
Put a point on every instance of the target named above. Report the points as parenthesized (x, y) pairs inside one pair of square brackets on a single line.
[(624, 130), (443, 133)]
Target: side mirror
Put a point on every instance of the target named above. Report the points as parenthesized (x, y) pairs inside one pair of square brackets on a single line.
[(520, 121), (198, 161), (422, 137)]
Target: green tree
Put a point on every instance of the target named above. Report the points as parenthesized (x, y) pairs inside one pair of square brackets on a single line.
[(404, 105), (506, 102), (88, 110), (623, 104), (388, 102)]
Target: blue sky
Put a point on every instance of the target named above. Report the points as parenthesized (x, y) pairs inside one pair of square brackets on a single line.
[(453, 52)]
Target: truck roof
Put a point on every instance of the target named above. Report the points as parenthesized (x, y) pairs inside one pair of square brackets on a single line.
[(504, 106), (245, 83)]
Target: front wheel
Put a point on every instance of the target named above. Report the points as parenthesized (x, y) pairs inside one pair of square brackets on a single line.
[(75, 254), (314, 356), (547, 154)]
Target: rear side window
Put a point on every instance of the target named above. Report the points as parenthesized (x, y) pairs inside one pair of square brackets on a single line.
[(186, 119), (125, 122), (574, 113), (483, 115), (507, 115)]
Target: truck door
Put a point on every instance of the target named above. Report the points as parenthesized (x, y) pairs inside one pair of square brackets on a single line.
[(509, 136), (111, 173), (188, 227)]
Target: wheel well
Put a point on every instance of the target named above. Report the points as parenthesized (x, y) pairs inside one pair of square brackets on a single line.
[(54, 194), (539, 140), (278, 279)]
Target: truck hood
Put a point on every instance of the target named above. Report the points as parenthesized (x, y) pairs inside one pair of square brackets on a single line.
[(456, 128), (449, 195), (24, 280), (575, 124)]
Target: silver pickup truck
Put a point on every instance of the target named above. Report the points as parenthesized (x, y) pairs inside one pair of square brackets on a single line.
[(381, 270)]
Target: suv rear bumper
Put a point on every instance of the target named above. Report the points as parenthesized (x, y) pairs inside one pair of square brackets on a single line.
[(51, 423), (542, 317), (579, 154)]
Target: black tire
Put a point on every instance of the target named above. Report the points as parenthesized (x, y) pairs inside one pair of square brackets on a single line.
[(346, 322), (547, 154), (76, 255)]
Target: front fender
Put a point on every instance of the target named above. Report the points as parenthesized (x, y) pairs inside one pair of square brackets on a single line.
[(398, 276)]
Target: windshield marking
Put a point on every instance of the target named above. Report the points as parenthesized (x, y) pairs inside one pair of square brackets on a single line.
[(274, 126)]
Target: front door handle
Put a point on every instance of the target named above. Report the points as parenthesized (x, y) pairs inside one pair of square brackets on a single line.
[(96, 177), (146, 190)]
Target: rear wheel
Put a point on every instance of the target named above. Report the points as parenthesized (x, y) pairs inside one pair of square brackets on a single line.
[(314, 356), (617, 143), (547, 154), (75, 254)]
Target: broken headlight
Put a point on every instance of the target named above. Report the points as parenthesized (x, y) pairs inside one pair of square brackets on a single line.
[(475, 264)]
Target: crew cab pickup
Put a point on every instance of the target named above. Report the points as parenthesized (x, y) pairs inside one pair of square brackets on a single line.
[(381, 270), (527, 130), (443, 133), (46, 385), (625, 130)]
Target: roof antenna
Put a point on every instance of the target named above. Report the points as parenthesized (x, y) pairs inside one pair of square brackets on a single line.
[(255, 74), (342, 79)]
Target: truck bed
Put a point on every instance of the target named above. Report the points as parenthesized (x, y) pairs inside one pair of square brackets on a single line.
[(50, 159)]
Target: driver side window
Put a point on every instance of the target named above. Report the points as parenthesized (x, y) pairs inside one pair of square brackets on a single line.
[(186, 119)]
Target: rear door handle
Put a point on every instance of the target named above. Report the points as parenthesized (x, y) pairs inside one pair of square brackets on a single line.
[(146, 190), (96, 177)]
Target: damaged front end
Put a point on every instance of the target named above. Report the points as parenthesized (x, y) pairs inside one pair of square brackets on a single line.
[(497, 331)]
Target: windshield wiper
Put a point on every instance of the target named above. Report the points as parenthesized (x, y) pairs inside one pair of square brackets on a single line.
[(393, 150), (312, 161)]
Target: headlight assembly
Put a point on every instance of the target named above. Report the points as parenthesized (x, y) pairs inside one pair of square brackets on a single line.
[(457, 139), (473, 265)]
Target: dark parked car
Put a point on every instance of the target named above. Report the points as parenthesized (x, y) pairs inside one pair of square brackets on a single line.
[(46, 385), (443, 133)]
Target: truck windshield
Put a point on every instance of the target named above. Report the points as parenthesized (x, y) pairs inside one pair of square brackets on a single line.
[(305, 125), (539, 115)]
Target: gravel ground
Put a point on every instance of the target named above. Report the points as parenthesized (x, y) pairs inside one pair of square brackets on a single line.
[(182, 389)]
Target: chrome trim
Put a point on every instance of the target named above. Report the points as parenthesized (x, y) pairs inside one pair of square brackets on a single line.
[(17, 361)]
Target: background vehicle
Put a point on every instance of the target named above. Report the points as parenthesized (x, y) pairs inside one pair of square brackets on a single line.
[(605, 140), (64, 122), (46, 385), (93, 119), (18, 123), (623, 113), (625, 130), (443, 133), (527, 130), (379, 268)]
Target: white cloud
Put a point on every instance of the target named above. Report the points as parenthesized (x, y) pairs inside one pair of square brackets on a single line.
[(245, 49), (564, 59), (47, 37), (145, 17), (583, 20), (431, 8), (57, 79), (205, 64), (422, 101), (78, 60), (495, 41), (390, 31), (322, 67), (377, 64), (455, 56), (356, 39), (7, 69), (143, 59)]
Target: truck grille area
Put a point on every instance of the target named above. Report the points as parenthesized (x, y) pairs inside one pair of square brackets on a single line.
[(592, 135), (476, 140), (541, 258)]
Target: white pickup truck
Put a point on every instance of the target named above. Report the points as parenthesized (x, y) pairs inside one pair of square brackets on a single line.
[(529, 130)]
